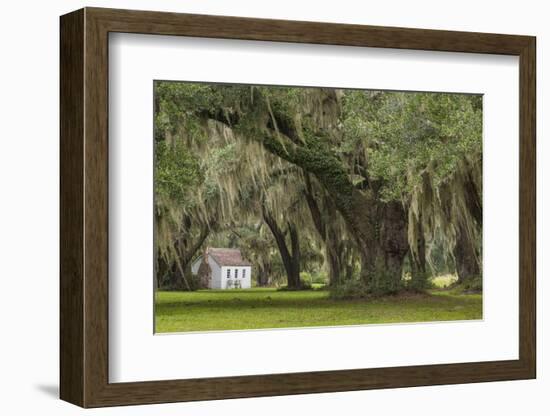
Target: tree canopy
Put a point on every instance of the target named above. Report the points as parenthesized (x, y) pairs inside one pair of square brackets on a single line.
[(355, 184)]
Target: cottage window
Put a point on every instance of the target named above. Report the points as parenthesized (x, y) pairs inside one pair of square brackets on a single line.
[(228, 273), (236, 273), (244, 273)]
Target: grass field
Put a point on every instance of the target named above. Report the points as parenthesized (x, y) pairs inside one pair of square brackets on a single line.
[(211, 310)]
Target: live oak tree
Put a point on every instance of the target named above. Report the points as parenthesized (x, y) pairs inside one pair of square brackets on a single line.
[(425, 150), (199, 195), (394, 169)]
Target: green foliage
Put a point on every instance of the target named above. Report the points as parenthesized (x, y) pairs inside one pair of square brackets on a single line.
[(176, 105), (177, 173), (383, 284), (406, 134), (443, 281), (472, 285), (314, 278), (350, 289), (419, 283)]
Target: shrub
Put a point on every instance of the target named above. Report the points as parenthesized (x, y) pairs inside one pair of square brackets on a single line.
[(383, 284), (470, 286), (349, 289), (473, 285), (193, 283), (306, 277), (317, 278), (419, 283)]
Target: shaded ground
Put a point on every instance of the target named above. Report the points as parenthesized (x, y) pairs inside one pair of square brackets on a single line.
[(267, 308)]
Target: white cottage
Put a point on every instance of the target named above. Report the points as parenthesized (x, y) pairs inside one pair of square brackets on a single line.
[(223, 268)]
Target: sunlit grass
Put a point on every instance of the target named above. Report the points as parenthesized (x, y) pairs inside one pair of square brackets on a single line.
[(210, 310)]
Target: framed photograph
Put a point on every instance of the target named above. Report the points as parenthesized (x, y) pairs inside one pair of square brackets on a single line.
[(257, 207)]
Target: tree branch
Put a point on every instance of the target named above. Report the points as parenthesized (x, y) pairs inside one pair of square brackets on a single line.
[(314, 208)]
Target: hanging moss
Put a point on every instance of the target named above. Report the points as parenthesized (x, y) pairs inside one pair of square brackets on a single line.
[(366, 149)]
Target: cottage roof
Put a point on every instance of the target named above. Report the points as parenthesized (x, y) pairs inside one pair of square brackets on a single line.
[(228, 257)]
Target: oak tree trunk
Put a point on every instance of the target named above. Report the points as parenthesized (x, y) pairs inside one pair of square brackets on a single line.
[(334, 247), (263, 275), (290, 256), (181, 276), (466, 259), (417, 259), (383, 271)]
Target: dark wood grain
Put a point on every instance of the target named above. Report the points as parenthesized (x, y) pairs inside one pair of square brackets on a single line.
[(71, 100), (96, 224), (84, 207), (162, 23), (527, 207)]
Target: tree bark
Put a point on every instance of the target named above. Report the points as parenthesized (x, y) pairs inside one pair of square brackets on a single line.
[(334, 265), (263, 275), (466, 253), (473, 199), (466, 259), (383, 271), (290, 257), (295, 264), (177, 280), (417, 259), (334, 247), (181, 277)]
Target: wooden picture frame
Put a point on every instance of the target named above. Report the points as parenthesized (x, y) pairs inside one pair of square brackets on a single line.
[(84, 207)]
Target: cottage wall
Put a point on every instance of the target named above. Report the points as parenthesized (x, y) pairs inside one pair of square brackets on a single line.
[(195, 266), (245, 283), (216, 282)]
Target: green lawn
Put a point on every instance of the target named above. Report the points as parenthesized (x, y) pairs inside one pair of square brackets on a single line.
[(210, 310)]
